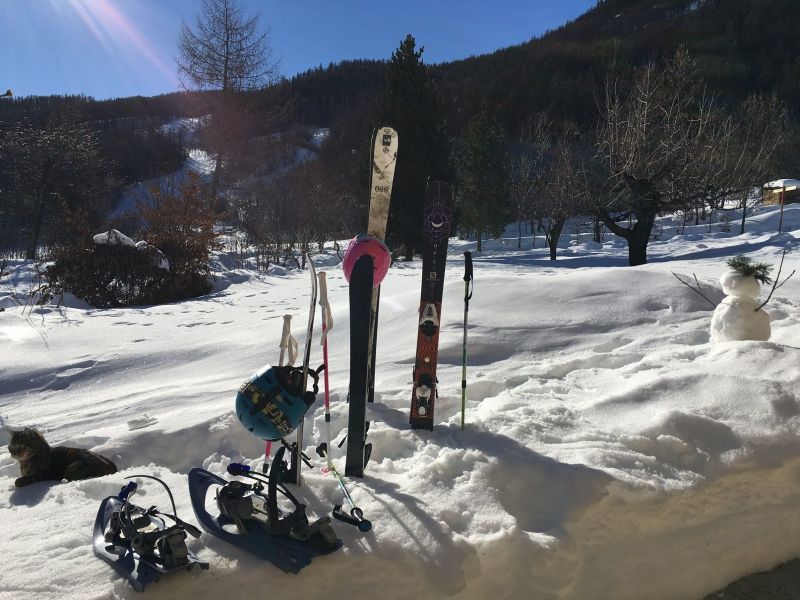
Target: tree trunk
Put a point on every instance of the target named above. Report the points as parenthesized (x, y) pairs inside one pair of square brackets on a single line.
[(479, 241), (36, 229), (598, 230), (637, 236), (640, 236), (744, 215), (553, 235), (215, 179)]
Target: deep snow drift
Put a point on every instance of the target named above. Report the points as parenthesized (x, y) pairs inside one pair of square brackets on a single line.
[(611, 450)]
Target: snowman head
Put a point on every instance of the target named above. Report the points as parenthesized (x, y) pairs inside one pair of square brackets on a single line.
[(745, 277), (736, 284)]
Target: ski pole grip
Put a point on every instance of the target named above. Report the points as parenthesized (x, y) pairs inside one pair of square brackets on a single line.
[(323, 288), (287, 327), (467, 266)]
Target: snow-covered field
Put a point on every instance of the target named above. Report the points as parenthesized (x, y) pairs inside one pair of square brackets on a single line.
[(611, 450)]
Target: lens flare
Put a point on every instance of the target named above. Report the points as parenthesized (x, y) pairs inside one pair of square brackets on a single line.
[(117, 34)]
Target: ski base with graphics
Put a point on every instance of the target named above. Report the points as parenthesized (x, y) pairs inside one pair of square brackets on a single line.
[(384, 160), (437, 220), (364, 313)]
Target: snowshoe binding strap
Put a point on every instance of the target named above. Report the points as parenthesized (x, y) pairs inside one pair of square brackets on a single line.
[(290, 379), (141, 531), (245, 504)]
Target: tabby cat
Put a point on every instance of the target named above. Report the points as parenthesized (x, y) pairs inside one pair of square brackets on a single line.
[(39, 462)]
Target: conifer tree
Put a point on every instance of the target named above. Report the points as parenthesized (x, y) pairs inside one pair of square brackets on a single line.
[(483, 180), (408, 103), (226, 52)]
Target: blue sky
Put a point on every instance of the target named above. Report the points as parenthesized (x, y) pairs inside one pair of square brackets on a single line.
[(115, 48)]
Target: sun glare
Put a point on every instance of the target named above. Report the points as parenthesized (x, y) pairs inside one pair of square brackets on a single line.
[(117, 34)]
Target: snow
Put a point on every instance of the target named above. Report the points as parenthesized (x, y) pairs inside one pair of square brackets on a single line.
[(199, 161), (319, 136), (186, 129), (114, 237), (781, 183), (738, 317), (611, 450)]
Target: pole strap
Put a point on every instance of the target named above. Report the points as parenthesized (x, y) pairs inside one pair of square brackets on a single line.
[(468, 276)]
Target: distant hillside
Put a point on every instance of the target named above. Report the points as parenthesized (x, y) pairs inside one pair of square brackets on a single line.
[(741, 47)]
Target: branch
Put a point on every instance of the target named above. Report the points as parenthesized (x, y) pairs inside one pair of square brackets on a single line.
[(697, 289), (777, 285)]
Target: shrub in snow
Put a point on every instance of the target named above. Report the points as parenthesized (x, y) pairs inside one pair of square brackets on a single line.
[(182, 225), (110, 274), (739, 316)]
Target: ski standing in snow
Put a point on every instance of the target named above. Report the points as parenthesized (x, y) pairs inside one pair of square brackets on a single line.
[(362, 360), (298, 457), (436, 230)]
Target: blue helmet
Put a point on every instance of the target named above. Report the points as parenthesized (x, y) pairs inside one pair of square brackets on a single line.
[(272, 403)]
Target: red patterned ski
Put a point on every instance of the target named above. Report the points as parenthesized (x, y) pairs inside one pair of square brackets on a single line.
[(437, 221)]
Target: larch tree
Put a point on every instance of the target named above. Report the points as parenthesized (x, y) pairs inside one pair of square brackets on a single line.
[(226, 52)]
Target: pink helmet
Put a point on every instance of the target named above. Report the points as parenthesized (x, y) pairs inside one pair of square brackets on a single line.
[(365, 244)]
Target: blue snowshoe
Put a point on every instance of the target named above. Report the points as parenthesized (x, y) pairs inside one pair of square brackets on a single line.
[(251, 520), (138, 543)]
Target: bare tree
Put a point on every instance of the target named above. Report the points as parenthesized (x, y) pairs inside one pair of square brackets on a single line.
[(667, 146), (650, 140), (560, 190), (746, 151), (49, 176), (225, 52), (525, 169)]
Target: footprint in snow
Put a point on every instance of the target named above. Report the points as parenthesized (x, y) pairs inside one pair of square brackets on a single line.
[(141, 422)]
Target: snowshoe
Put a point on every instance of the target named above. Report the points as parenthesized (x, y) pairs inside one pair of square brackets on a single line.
[(251, 520), (138, 543)]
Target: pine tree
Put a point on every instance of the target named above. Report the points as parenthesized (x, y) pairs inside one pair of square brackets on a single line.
[(408, 103), (483, 180)]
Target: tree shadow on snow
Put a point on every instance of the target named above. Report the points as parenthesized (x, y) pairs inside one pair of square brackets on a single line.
[(540, 492), (441, 559)]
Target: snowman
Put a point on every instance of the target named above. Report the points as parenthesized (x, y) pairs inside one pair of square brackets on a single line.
[(738, 317)]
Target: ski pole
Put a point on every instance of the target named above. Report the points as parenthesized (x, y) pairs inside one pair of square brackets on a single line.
[(468, 285), (327, 325), (356, 516), (287, 343)]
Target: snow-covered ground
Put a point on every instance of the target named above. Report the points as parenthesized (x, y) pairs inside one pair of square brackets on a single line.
[(198, 161), (203, 163), (611, 451)]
